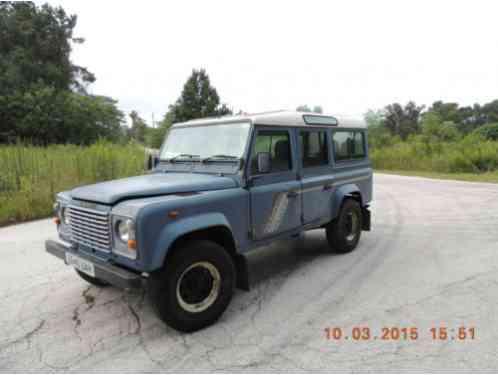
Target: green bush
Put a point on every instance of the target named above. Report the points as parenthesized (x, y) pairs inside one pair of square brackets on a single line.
[(489, 132), (30, 177)]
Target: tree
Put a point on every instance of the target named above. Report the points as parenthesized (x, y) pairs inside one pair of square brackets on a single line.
[(198, 99), (490, 111), (43, 95), (156, 136), (403, 121), (447, 111), (138, 127), (35, 48)]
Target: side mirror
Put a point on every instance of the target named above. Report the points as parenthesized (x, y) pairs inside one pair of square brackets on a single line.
[(264, 162), (152, 161)]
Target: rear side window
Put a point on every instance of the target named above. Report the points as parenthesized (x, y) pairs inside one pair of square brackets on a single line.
[(277, 143), (314, 149), (349, 145)]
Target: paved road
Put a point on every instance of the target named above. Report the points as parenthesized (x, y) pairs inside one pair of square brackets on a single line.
[(431, 260)]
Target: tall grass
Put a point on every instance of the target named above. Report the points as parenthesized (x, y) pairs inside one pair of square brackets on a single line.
[(30, 177), (469, 155)]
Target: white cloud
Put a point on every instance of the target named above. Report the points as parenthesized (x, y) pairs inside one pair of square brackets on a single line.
[(260, 55)]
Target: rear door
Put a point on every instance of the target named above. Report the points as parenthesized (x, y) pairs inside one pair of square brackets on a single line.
[(316, 172), (275, 198)]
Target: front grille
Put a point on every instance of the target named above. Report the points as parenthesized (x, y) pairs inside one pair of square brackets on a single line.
[(90, 228)]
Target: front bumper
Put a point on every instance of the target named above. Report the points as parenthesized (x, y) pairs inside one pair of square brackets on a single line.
[(114, 275)]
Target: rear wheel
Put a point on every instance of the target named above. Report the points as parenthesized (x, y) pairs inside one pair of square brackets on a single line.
[(343, 233), (195, 286), (92, 280)]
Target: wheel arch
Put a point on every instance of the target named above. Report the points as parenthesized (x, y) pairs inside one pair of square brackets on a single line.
[(212, 227), (348, 191)]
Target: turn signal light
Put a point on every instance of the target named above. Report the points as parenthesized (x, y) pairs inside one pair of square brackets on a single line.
[(57, 220), (132, 244), (173, 214)]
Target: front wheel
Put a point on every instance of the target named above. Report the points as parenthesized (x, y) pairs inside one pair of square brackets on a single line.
[(195, 286), (344, 232)]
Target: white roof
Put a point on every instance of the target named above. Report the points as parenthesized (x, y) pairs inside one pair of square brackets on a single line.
[(276, 118)]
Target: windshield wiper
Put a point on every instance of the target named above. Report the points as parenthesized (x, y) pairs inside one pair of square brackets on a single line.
[(177, 157), (220, 157)]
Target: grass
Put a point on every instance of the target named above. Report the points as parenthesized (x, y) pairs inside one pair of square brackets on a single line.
[(471, 177), (469, 159), (30, 177), (468, 156)]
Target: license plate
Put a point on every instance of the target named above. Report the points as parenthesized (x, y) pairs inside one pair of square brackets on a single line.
[(80, 264)]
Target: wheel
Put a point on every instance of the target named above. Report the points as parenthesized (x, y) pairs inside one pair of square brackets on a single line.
[(194, 287), (344, 232), (92, 280)]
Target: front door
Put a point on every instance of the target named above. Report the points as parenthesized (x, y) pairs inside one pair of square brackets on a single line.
[(275, 197)]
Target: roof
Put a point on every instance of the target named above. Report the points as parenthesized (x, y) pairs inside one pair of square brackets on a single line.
[(275, 118)]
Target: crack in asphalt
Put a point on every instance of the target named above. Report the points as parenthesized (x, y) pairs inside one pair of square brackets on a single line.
[(25, 337)]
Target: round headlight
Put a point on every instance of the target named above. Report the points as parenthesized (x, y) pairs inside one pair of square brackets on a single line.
[(64, 216), (123, 230)]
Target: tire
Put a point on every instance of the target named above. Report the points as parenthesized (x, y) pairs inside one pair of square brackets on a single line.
[(344, 232), (194, 287), (92, 280)]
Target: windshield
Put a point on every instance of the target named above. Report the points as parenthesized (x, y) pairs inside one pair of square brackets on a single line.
[(228, 140)]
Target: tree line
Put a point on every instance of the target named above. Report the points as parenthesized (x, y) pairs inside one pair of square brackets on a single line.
[(442, 121), (44, 96)]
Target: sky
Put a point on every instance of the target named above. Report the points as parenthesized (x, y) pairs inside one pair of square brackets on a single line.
[(346, 56)]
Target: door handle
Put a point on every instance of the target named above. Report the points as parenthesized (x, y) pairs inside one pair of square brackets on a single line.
[(327, 187), (292, 194)]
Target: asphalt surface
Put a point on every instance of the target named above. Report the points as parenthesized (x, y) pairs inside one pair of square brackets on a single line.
[(431, 260)]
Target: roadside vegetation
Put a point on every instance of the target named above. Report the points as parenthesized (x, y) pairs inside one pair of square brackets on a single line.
[(444, 139), (31, 176), (54, 134)]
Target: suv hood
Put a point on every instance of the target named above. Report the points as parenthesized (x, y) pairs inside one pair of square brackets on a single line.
[(113, 191)]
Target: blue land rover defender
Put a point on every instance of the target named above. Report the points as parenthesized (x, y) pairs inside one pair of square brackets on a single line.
[(218, 189)]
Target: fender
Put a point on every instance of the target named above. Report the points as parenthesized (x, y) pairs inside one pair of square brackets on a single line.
[(176, 229), (342, 192)]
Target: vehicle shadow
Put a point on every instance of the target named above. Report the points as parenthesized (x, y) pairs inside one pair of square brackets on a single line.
[(285, 256)]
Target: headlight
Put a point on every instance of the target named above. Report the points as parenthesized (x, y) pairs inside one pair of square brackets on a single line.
[(125, 230), (64, 216)]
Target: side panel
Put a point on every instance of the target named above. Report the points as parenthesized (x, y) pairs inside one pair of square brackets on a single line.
[(317, 195), (352, 180), (351, 176), (157, 231)]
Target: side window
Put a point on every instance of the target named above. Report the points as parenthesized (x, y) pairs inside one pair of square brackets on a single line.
[(348, 145), (314, 149), (277, 143), (359, 145)]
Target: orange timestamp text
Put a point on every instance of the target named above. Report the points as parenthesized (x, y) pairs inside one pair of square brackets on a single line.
[(364, 333)]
